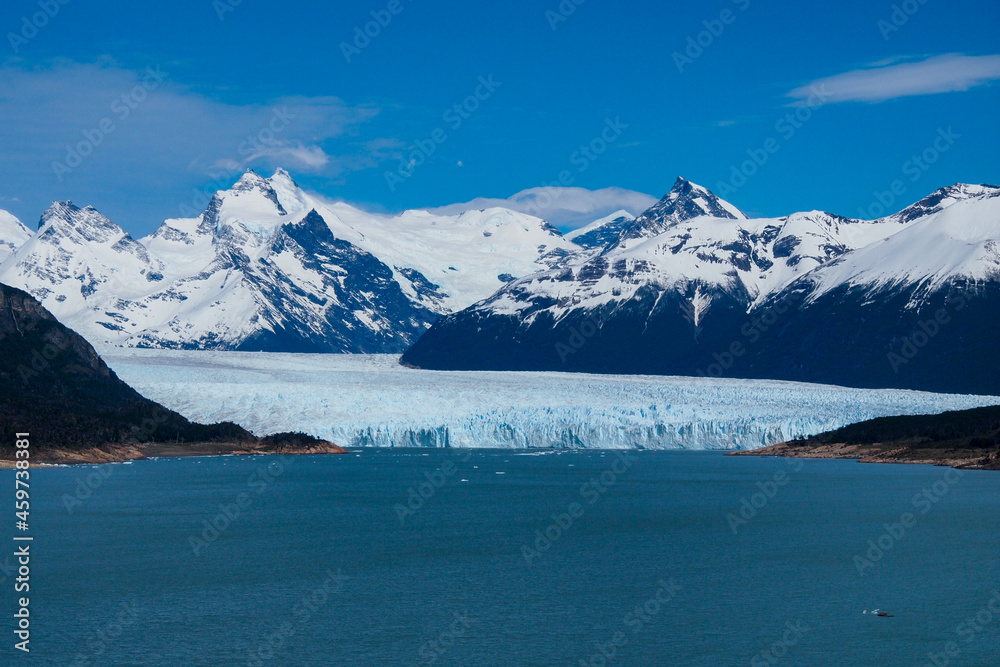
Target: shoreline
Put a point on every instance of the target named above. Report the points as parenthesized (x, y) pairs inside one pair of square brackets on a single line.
[(874, 453), (964, 459), (141, 452)]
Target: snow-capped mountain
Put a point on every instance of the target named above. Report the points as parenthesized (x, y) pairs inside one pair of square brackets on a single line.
[(693, 287), (13, 234), (692, 244), (960, 239), (685, 201), (920, 308), (602, 233), (76, 254), (444, 262), (268, 266)]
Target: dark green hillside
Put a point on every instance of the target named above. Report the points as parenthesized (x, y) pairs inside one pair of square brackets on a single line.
[(54, 386)]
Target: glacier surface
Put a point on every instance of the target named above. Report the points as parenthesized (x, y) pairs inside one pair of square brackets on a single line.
[(370, 400)]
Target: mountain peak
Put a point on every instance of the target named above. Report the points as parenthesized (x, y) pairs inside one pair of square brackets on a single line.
[(244, 199), (250, 180), (685, 201), (943, 198), (87, 221), (282, 180), (58, 210), (683, 183), (691, 200)]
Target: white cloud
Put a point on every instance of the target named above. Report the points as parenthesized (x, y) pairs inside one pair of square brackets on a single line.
[(50, 109), (890, 79), (293, 154), (155, 160), (566, 208)]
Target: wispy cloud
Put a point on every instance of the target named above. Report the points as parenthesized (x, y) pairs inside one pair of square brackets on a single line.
[(566, 208), (106, 135), (51, 109), (891, 79)]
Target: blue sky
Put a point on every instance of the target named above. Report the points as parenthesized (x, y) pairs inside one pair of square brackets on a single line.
[(173, 98)]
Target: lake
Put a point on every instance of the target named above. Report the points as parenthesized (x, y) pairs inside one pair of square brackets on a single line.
[(450, 557)]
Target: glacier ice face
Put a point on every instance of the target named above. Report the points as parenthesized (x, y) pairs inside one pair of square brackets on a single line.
[(369, 400)]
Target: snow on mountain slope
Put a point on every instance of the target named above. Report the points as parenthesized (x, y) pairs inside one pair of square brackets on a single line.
[(697, 245), (676, 294), (959, 240), (80, 264), (362, 400), (941, 199), (603, 232), (445, 262), (268, 266), (601, 222), (13, 233)]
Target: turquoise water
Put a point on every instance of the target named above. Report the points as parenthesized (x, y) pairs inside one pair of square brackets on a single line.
[(329, 561)]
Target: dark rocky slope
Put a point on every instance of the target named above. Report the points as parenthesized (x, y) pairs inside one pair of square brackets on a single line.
[(54, 386)]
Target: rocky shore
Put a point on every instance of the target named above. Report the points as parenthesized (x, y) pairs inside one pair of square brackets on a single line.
[(283, 444), (881, 453), (967, 439)]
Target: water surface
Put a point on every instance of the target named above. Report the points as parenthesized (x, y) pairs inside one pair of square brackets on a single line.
[(320, 563)]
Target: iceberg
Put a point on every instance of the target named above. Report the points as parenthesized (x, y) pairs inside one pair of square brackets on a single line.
[(372, 401)]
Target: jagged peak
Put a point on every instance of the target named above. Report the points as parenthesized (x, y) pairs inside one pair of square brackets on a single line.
[(688, 191), (58, 210), (251, 181), (250, 178), (84, 220), (685, 201), (943, 198), (248, 183), (281, 173)]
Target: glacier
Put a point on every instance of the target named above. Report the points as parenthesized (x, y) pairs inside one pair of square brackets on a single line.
[(372, 401)]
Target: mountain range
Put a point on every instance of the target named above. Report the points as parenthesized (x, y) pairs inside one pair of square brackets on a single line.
[(695, 287), (269, 267), (692, 286)]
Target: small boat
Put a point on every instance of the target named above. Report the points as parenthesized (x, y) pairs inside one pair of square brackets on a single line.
[(879, 613)]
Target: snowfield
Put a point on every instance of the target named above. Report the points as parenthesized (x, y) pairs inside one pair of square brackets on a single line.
[(369, 400)]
